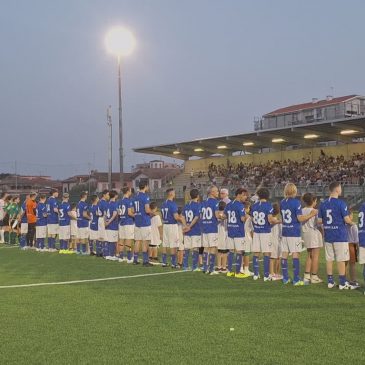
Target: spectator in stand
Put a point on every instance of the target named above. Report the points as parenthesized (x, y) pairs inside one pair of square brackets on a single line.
[(30, 207)]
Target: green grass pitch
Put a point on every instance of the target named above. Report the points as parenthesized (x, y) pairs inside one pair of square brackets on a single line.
[(182, 318)]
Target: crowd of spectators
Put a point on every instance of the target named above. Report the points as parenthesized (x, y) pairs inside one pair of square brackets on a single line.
[(304, 172)]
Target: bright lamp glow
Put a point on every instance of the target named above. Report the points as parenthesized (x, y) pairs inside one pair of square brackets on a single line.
[(222, 147), (311, 136), (248, 143), (277, 140), (120, 41), (348, 131), (176, 152), (198, 150)]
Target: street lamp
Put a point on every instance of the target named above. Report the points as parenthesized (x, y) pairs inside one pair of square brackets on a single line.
[(120, 42)]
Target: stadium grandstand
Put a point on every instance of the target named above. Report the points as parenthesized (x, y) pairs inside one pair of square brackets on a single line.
[(309, 144)]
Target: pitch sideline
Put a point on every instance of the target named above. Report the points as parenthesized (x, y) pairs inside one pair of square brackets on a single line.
[(87, 280)]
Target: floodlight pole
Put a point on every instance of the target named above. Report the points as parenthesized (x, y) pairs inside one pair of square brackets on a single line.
[(110, 145), (121, 157)]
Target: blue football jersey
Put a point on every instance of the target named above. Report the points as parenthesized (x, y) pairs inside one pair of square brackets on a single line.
[(192, 210), (124, 218), (234, 211), (63, 217), (52, 204), (168, 209), (209, 221), (112, 208), (102, 207), (260, 217), (82, 207), (94, 217), (290, 210), (24, 214), (141, 218), (362, 225), (333, 211), (41, 214)]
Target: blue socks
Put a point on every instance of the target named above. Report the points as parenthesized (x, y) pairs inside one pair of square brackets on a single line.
[(266, 266), (164, 259), (111, 248), (342, 279), (22, 241), (205, 261), (135, 257), (99, 250), (91, 246), (173, 260), (255, 264), (186, 259), (330, 279), (145, 257), (296, 269), (230, 261), (51, 242), (129, 255), (211, 262), (238, 262), (284, 268), (196, 259)]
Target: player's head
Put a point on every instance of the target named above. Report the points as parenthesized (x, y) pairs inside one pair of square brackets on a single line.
[(170, 193), (275, 209), (54, 193), (290, 190), (143, 186), (73, 206), (32, 196), (241, 194), (221, 206), (127, 192), (83, 195), (9, 198), (213, 192), (94, 199), (3, 195), (309, 199), (179, 210), (65, 197), (16, 199), (224, 193), (194, 194), (335, 188), (263, 194), (42, 198), (113, 194), (153, 207), (105, 194)]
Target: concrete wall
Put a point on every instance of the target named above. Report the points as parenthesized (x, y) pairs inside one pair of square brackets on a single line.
[(295, 155)]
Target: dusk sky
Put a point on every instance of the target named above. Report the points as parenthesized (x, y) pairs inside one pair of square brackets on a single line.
[(201, 68)]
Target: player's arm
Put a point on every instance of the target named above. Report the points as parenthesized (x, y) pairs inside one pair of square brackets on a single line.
[(131, 212), (55, 208), (147, 208), (160, 230), (348, 220), (304, 218), (273, 220), (114, 215), (86, 214)]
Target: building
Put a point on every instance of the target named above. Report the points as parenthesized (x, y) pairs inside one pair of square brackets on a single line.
[(155, 178), (315, 111), (155, 164), (22, 185), (95, 181)]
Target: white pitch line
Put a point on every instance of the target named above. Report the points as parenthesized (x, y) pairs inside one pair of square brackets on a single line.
[(9, 247), (87, 280)]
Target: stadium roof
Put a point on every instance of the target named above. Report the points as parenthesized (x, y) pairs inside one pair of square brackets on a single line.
[(303, 135), (311, 105)]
